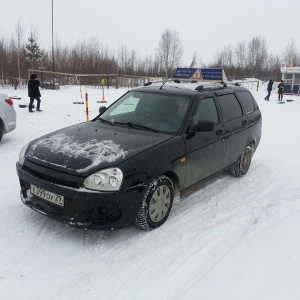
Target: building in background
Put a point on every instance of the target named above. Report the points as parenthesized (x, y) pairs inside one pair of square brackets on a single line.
[(290, 77)]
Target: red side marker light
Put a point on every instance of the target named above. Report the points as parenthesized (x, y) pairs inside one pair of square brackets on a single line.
[(9, 101)]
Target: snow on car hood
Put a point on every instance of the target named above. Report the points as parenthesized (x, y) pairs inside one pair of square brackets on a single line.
[(88, 147), (93, 150)]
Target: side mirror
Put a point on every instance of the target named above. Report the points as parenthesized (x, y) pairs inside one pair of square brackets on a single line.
[(204, 125), (102, 109)]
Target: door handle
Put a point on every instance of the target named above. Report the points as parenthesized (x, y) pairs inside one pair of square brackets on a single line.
[(219, 132)]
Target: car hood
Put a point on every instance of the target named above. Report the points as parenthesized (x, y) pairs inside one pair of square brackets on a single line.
[(87, 147)]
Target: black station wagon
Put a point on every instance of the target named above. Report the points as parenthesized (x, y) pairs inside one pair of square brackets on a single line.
[(127, 165)]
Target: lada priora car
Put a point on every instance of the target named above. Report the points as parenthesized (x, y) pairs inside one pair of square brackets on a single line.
[(126, 166)]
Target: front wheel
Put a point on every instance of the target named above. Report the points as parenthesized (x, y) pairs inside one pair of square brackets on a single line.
[(156, 204), (243, 165)]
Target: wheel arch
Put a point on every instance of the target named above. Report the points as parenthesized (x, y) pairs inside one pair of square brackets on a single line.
[(2, 125), (252, 145), (175, 180)]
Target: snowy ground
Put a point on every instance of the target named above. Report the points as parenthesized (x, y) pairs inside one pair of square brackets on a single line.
[(230, 239)]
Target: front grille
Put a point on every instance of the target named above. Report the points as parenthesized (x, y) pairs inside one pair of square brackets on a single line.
[(52, 179)]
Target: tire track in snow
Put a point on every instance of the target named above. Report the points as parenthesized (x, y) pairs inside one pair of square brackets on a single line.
[(246, 210)]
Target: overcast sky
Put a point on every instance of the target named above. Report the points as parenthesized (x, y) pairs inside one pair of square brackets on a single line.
[(204, 27)]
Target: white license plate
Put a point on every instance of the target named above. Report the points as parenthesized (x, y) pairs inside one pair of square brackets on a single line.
[(48, 196)]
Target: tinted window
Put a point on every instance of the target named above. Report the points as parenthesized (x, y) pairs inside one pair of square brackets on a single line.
[(206, 110), (159, 112), (246, 100), (231, 108)]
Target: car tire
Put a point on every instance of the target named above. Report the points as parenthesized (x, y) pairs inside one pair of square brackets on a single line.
[(243, 165), (1, 131), (156, 204)]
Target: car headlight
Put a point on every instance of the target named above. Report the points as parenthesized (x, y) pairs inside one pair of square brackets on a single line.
[(105, 180), (22, 155)]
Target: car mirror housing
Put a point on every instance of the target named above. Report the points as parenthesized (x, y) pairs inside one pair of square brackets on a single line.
[(102, 109)]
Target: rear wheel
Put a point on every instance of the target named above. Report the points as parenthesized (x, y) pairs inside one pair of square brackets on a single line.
[(156, 204), (243, 165)]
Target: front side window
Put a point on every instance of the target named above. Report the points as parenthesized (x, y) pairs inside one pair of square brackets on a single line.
[(206, 111), (231, 108)]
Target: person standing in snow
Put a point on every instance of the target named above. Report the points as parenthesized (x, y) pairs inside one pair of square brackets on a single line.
[(34, 92), (269, 88), (280, 90)]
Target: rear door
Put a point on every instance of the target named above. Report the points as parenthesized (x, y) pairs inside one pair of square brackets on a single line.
[(205, 150), (236, 126), (251, 110)]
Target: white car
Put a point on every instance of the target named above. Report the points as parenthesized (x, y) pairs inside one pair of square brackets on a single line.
[(7, 115)]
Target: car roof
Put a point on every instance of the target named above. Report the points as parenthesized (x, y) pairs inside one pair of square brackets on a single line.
[(187, 88)]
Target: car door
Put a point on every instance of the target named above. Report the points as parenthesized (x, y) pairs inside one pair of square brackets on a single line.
[(205, 150), (251, 110), (236, 126)]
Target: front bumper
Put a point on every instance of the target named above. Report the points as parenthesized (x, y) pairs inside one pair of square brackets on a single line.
[(82, 207)]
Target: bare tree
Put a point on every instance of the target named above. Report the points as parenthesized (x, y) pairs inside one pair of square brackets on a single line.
[(193, 63), (11, 59), (2, 54), (228, 56), (241, 54), (19, 35), (273, 67), (92, 57), (224, 58), (169, 51), (290, 54), (257, 54)]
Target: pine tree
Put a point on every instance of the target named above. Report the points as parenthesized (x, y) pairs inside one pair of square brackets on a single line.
[(32, 52)]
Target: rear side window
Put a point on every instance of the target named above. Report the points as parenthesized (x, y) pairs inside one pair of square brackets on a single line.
[(230, 106), (246, 100)]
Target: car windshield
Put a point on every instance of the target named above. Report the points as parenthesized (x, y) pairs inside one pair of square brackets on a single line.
[(148, 111)]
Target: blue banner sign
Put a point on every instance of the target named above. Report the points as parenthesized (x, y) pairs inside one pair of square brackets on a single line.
[(199, 74), (211, 74), (185, 73)]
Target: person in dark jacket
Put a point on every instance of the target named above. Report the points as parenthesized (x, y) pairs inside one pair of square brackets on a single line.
[(280, 90), (34, 92), (269, 88)]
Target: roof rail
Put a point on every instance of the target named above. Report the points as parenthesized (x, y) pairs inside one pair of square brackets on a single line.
[(200, 87), (162, 81)]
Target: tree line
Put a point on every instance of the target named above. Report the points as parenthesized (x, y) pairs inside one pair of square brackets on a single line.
[(246, 59)]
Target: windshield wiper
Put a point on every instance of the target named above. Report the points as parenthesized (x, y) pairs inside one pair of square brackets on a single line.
[(141, 126), (105, 121), (134, 125), (130, 124)]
